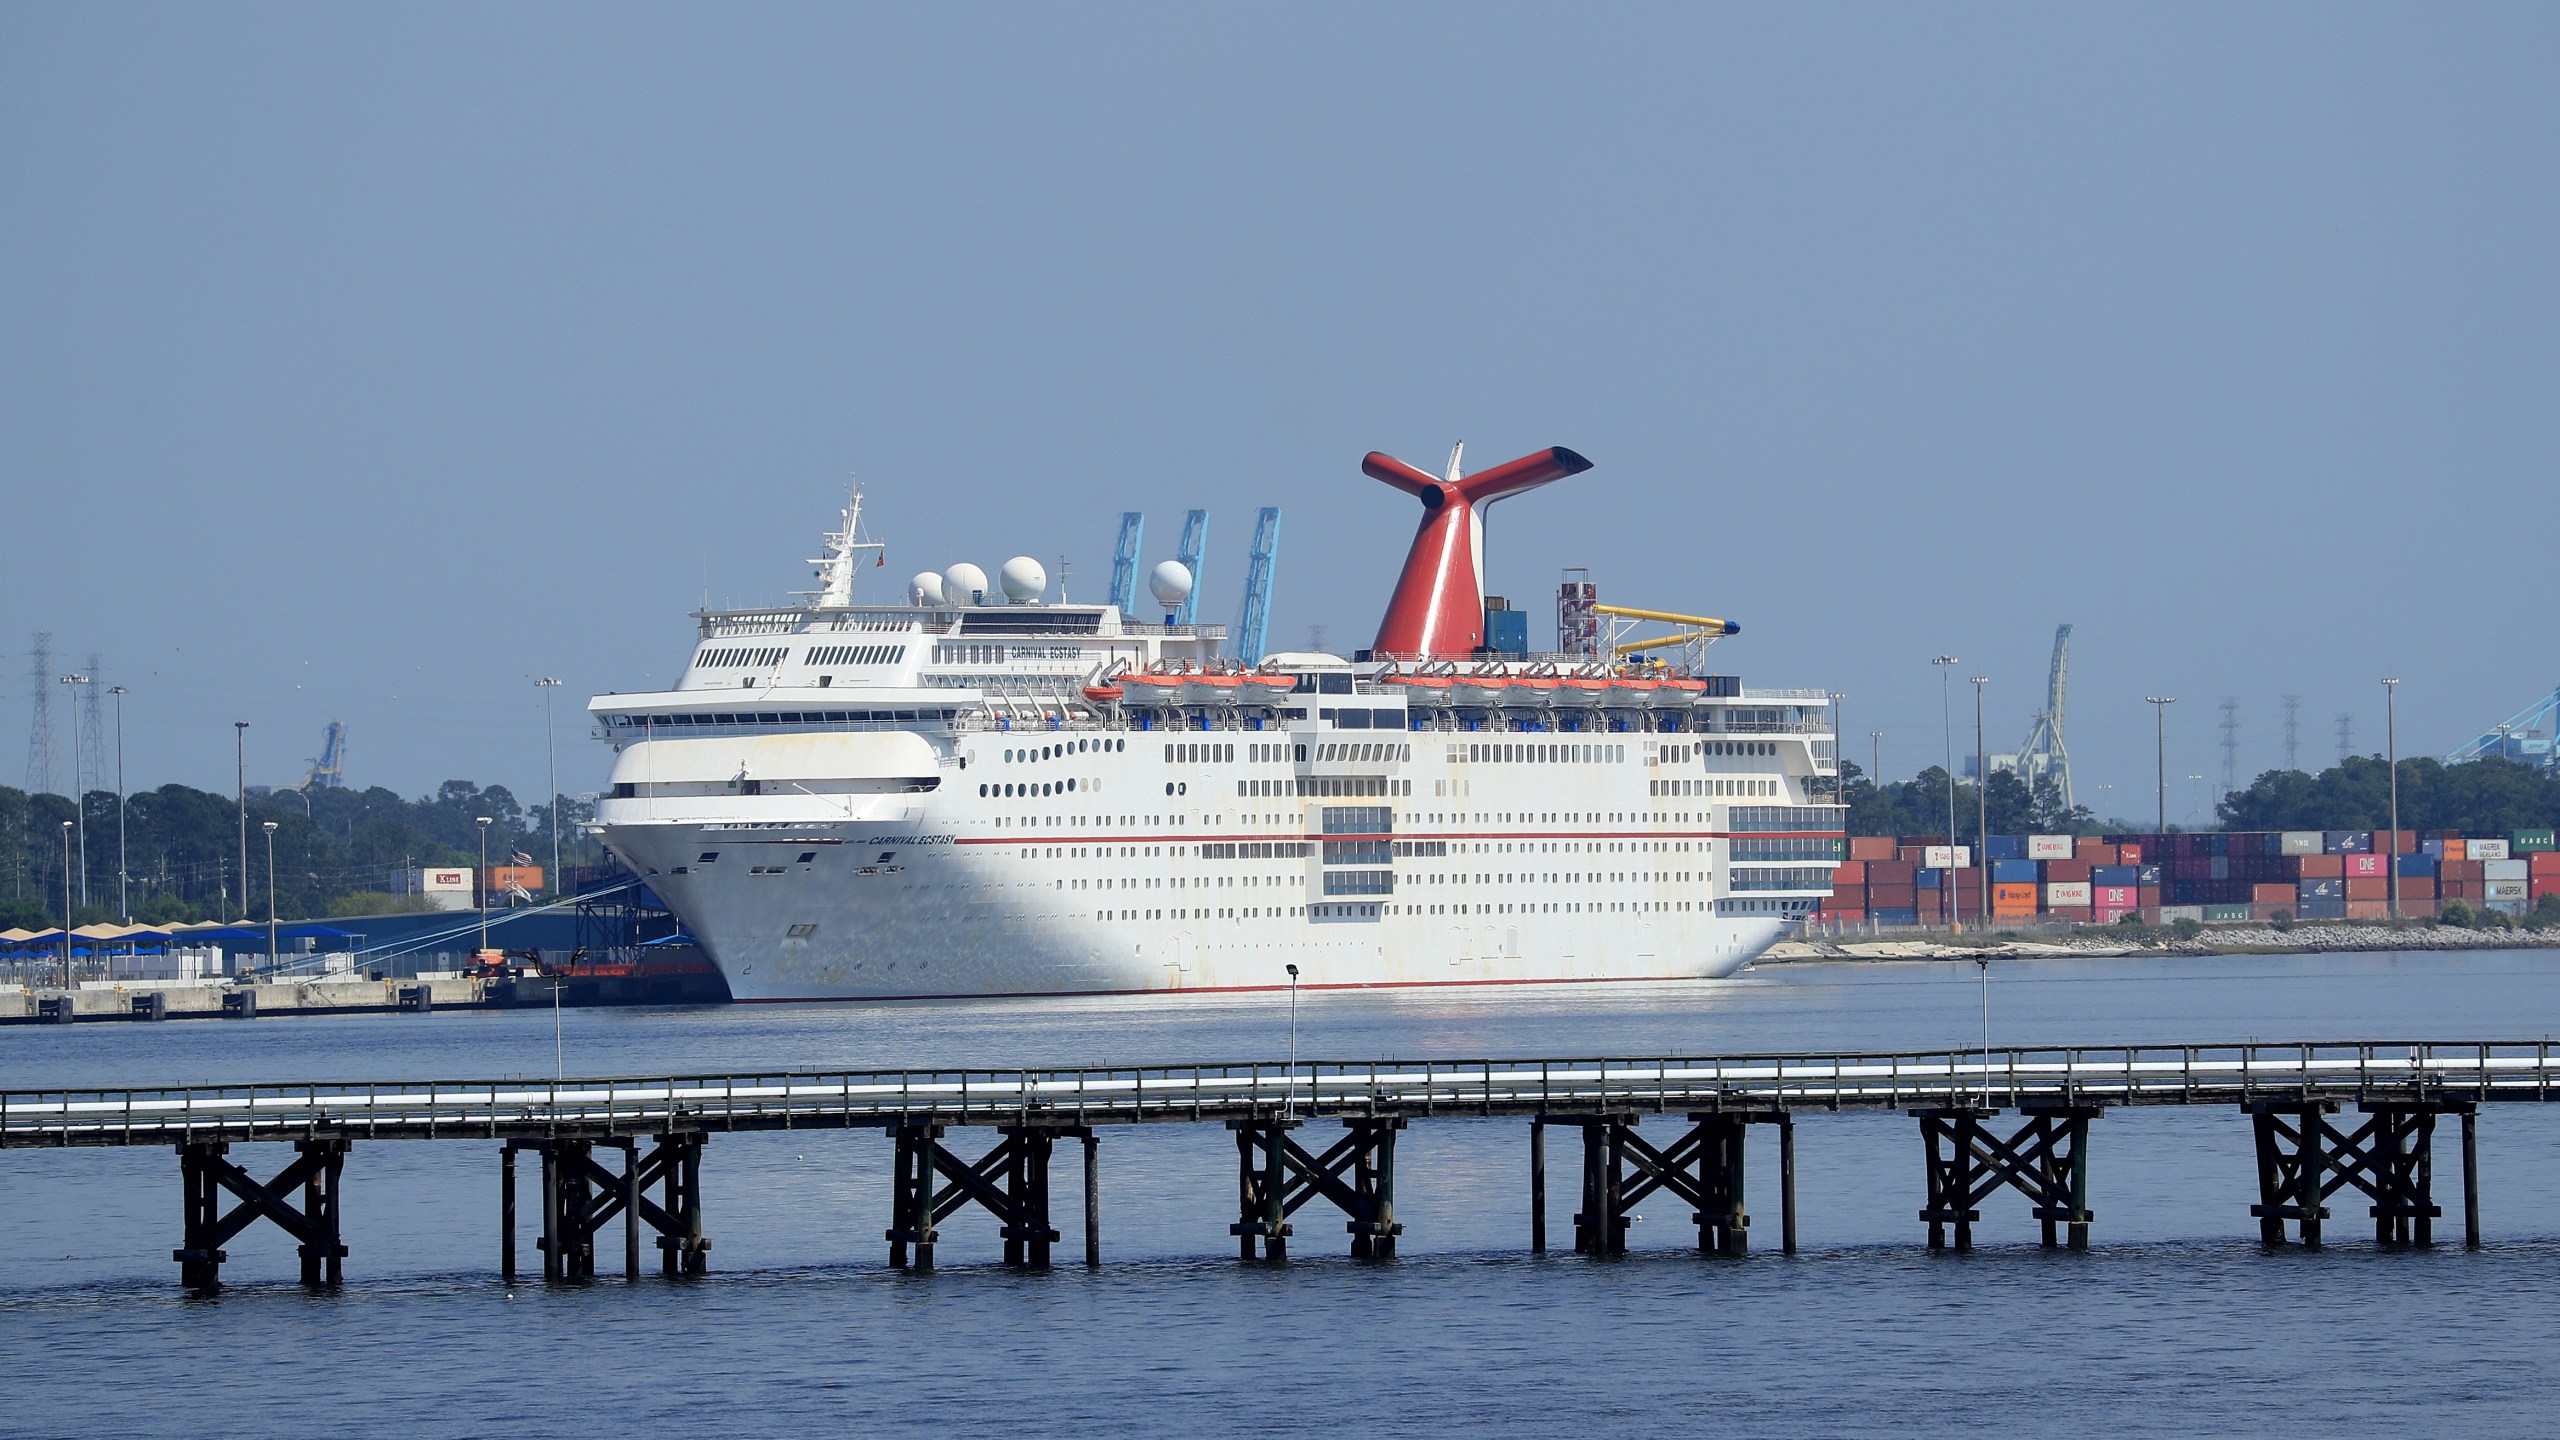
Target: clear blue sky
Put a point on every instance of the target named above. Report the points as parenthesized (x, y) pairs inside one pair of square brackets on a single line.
[(366, 362)]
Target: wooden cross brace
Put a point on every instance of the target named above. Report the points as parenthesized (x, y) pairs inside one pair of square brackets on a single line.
[(2303, 1159), (2045, 1159), (207, 1175), (1355, 1174)]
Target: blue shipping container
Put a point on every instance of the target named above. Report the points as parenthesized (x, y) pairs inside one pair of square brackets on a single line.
[(2347, 842), (1929, 879), (2146, 874), (2417, 864), (2114, 874), (2014, 872), (1912, 917), (2006, 847), (2322, 889), (2320, 910)]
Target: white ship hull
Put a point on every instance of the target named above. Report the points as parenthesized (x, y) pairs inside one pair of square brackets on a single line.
[(950, 893)]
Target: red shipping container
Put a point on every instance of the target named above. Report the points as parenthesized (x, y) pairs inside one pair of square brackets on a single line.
[(2457, 889), (2543, 862), (2537, 886), (2268, 912), (1849, 916), (2368, 887), (2368, 910), (2396, 842), (2271, 894), (1853, 873), (2324, 867), (1892, 897), (2109, 914), (2363, 865), (2128, 854), (1871, 847), (2119, 898), (2468, 872), (2073, 914), (2066, 870), (2418, 888), (1891, 872), (2150, 896), (2095, 851), (1912, 854)]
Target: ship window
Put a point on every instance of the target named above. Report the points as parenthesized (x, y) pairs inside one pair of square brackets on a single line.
[(706, 857), (1071, 785), (1335, 684), (1168, 787)]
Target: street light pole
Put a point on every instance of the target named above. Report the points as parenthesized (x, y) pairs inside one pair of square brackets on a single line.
[(1875, 758), (240, 759), (551, 755), (1289, 1095), (2160, 715), (66, 906), (124, 905), (1982, 848), (271, 896), (2391, 733), (79, 796), (483, 879), (1946, 715)]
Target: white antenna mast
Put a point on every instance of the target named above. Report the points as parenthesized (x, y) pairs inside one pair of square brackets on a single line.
[(843, 549)]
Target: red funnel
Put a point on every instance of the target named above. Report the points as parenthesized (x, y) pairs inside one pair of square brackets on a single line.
[(1438, 607)]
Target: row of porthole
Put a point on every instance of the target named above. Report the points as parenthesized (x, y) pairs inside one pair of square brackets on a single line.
[(1026, 791), (1063, 749)]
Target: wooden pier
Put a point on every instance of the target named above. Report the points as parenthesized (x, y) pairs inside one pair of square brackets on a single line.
[(2325, 1118)]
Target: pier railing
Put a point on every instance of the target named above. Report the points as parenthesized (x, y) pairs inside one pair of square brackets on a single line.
[(2361, 1071)]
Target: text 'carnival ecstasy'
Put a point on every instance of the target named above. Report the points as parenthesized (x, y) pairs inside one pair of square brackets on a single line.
[(971, 794)]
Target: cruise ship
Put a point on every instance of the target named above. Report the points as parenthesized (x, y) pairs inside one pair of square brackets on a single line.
[(976, 790)]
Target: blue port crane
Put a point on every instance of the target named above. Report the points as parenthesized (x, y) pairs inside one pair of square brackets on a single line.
[(1253, 622), (2515, 738), (1195, 539), (329, 772), (1124, 562)]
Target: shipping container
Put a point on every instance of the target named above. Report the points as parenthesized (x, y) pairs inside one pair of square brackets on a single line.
[(2416, 865), (2495, 890), (2368, 910), (2320, 890), (2466, 871), (1894, 917), (2272, 894), (2486, 850), (2147, 874), (1890, 872), (2170, 914), (2067, 870), (2346, 842), (2524, 842), (2324, 867), (1928, 877), (2504, 869), (2543, 862), (2014, 872), (2226, 914), (2049, 847), (2129, 853), (2110, 914), (2415, 889), (2359, 866), (503, 878), (2006, 847), (2061, 893), (2008, 898), (2119, 897), (1870, 847), (2368, 887), (2320, 910), (2149, 895), (2504, 907), (2115, 875), (1853, 872)]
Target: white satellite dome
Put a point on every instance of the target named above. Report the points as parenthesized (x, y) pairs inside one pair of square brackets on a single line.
[(1024, 580), (1169, 583), (964, 584), (925, 588)]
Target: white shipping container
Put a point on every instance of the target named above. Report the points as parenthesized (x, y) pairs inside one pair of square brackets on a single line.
[(2300, 842), (448, 899), (2503, 889), (2049, 847), (1947, 857), (2487, 849), (2059, 893), (2172, 913), (456, 878), (2503, 870)]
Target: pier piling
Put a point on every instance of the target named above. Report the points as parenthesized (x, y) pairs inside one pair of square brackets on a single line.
[(1538, 1185), (2304, 1158), (205, 1174), (2045, 1160)]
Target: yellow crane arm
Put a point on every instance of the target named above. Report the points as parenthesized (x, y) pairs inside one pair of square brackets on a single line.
[(1665, 642), (1707, 623)]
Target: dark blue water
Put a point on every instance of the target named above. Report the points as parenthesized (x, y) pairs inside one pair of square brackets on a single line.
[(2174, 1324)]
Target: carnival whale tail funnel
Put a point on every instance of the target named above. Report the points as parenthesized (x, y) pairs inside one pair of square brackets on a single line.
[(1438, 605)]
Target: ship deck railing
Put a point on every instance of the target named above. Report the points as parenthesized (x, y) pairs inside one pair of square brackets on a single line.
[(2084, 1076)]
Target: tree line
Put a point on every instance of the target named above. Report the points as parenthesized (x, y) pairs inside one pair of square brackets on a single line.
[(337, 852)]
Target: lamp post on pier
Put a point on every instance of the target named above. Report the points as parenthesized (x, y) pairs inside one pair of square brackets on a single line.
[(482, 879), (551, 756), (240, 760), (79, 796), (1982, 846), (66, 907)]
